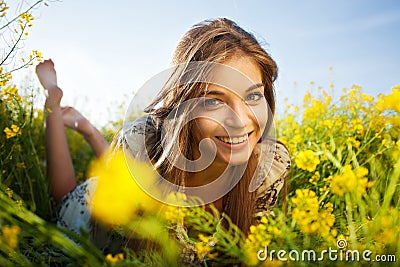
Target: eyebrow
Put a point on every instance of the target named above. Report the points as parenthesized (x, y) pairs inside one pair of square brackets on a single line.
[(254, 86)]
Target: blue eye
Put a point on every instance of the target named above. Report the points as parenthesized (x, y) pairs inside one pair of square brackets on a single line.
[(211, 102), (253, 97)]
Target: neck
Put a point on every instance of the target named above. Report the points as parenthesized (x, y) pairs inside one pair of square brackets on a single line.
[(206, 176)]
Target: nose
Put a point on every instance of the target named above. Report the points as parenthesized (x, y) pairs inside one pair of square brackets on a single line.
[(238, 115)]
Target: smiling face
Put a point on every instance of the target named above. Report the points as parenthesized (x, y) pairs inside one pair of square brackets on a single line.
[(232, 112)]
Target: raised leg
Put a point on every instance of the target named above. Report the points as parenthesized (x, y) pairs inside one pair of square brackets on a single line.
[(76, 121), (59, 163)]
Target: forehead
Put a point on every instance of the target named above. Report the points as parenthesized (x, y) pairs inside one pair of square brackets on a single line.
[(237, 74)]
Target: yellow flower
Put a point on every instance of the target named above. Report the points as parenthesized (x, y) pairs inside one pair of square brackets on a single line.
[(357, 126), (10, 92), (386, 229), (5, 78), (389, 102), (3, 8), (350, 181), (202, 250), (353, 142), (208, 239), (174, 214), (113, 259), (36, 54), (10, 236), (327, 123), (14, 131), (19, 203), (309, 131), (118, 197), (306, 207), (309, 217), (27, 17), (260, 236), (205, 246), (315, 178), (21, 165), (307, 160), (306, 100), (316, 107), (9, 192)]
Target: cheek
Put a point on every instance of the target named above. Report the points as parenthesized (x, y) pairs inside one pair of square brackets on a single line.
[(260, 113), (203, 128)]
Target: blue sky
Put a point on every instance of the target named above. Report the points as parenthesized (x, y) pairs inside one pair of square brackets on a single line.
[(105, 50)]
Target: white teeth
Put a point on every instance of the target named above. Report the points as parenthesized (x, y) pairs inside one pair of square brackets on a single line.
[(235, 140)]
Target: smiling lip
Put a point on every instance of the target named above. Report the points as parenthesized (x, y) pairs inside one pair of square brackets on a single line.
[(234, 142)]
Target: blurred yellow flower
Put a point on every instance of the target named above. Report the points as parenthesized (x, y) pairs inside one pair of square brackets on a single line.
[(27, 17), (353, 142), (19, 203), (175, 211), (14, 131), (357, 126), (118, 197), (205, 246), (113, 259), (389, 102), (308, 216), (309, 131), (305, 197), (386, 227), (316, 107), (326, 123), (387, 143), (350, 181), (9, 92), (5, 78), (10, 236), (260, 236), (36, 55), (20, 165), (315, 178), (9, 192), (307, 160)]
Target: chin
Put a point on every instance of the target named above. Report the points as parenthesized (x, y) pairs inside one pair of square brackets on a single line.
[(235, 160), (239, 162)]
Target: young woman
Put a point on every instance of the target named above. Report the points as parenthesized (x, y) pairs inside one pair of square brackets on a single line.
[(219, 101)]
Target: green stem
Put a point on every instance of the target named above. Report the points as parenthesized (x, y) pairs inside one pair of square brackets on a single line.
[(24, 65), (392, 187), (369, 142), (349, 215), (332, 159), (14, 46)]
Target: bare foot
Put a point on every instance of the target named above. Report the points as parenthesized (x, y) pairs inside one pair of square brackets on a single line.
[(76, 121), (48, 78)]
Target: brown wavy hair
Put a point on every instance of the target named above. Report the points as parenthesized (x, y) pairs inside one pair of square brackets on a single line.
[(208, 41)]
